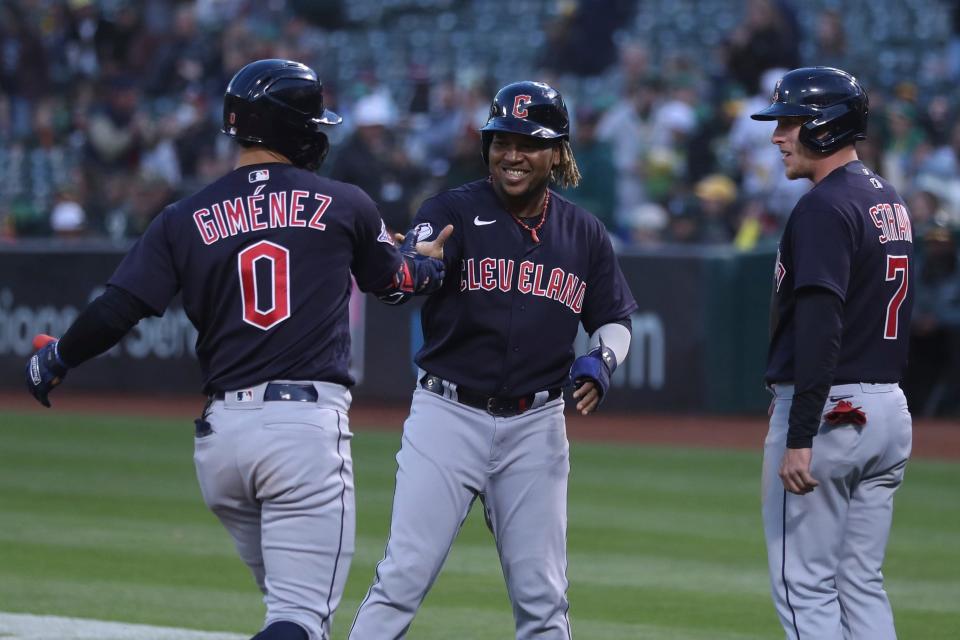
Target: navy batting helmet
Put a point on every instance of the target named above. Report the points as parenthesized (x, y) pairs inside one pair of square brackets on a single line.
[(279, 104), (832, 101), (529, 108)]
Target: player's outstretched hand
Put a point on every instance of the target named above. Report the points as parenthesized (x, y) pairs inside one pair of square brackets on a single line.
[(422, 268), (434, 248), (795, 471), (45, 369)]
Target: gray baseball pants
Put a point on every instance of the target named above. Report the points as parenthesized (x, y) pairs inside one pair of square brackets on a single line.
[(518, 466), (825, 549), (279, 476)]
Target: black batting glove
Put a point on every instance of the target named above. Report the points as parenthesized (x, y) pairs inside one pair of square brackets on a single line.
[(417, 275), (423, 274), (45, 370)]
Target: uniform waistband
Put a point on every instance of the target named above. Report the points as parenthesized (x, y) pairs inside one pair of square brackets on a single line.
[(498, 406), (327, 394), (275, 391), (785, 390)]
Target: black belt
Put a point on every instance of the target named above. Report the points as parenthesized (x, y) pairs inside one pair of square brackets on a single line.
[(494, 405), (279, 391)]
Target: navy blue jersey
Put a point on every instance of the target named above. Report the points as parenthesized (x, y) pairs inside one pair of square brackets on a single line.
[(263, 257), (850, 234), (506, 317)]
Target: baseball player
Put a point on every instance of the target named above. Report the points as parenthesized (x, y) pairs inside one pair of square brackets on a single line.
[(486, 419), (263, 258), (840, 431)]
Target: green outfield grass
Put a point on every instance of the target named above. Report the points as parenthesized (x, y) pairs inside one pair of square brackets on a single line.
[(102, 518)]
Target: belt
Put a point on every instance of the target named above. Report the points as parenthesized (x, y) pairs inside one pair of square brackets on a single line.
[(280, 391), (494, 405)]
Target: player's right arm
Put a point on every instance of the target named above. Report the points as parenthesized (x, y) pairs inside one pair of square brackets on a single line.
[(142, 286), (823, 243), (98, 328), (819, 320)]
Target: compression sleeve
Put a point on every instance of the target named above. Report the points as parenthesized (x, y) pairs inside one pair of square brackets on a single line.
[(101, 325), (615, 336), (819, 322)]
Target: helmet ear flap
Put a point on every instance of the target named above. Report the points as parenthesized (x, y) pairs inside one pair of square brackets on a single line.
[(255, 123), (486, 137), (833, 127), (316, 153), (324, 145), (814, 136)]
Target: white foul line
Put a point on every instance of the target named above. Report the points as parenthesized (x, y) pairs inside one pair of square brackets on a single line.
[(25, 626)]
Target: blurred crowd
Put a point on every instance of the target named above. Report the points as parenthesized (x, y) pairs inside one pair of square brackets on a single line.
[(109, 110)]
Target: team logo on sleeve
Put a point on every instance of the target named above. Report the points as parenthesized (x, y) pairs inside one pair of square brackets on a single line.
[(424, 230), (384, 234), (260, 175), (780, 272)]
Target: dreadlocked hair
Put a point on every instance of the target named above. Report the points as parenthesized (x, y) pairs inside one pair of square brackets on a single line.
[(566, 173)]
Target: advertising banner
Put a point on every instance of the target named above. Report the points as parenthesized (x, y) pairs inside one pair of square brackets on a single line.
[(692, 349)]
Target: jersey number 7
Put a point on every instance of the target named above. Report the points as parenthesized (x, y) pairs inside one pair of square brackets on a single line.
[(896, 266)]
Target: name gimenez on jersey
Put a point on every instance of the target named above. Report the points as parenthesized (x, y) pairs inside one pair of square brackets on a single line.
[(259, 211), (487, 274)]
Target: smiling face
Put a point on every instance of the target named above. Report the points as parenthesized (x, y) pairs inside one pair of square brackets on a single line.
[(798, 160), (520, 165)]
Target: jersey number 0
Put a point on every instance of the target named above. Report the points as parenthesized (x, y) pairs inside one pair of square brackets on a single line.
[(266, 300)]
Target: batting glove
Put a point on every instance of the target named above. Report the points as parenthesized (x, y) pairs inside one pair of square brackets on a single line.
[(596, 366), (428, 273), (418, 274), (45, 370)]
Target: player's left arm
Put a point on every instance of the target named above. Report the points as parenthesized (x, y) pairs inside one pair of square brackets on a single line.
[(379, 267), (607, 306), (590, 373)]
